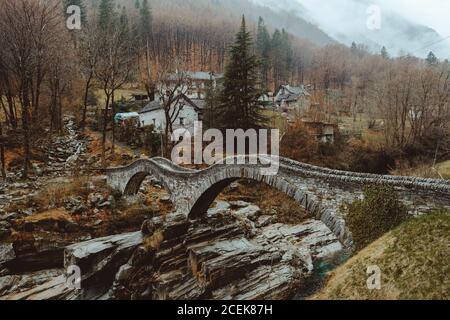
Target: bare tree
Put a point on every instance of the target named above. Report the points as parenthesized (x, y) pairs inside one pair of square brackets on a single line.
[(172, 88), (17, 34), (114, 69), (88, 56)]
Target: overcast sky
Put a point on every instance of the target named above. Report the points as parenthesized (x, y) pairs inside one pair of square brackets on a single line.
[(432, 13), (346, 20)]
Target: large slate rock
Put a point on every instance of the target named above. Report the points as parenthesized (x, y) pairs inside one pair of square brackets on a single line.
[(101, 258)]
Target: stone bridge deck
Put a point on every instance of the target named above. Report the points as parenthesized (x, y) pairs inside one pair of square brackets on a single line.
[(320, 190)]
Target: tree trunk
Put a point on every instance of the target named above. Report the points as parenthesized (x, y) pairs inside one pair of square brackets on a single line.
[(2, 154), (85, 100), (25, 127), (105, 127), (113, 147), (60, 107)]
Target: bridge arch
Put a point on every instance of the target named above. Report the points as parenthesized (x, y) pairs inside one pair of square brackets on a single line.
[(217, 182), (135, 182)]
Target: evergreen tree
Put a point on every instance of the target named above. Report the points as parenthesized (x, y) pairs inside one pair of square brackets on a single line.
[(212, 96), (145, 21), (124, 25), (431, 59), (239, 105), (137, 4), (281, 57), (384, 53), (263, 48), (106, 15)]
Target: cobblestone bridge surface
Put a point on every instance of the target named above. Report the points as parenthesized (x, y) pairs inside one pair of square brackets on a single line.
[(320, 190)]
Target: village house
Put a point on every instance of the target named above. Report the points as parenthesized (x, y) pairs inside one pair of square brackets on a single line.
[(293, 98), (186, 110), (198, 82)]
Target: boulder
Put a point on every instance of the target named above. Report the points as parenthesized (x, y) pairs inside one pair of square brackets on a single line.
[(103, 256), (6, 253)]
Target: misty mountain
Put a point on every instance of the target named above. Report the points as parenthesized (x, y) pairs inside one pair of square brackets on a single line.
[(281, 18), (346, 21), (231, 11)]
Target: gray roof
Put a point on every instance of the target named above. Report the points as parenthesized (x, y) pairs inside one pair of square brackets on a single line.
[(198, 104), (290, 94), (151, 106), (199, 75)]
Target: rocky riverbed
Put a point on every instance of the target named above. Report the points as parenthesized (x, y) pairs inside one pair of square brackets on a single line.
[(231, 254)]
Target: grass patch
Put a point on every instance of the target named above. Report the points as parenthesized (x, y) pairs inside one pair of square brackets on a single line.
[(55, 194), (414, 260)]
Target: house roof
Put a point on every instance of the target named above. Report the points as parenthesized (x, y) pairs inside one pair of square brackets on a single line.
[(197, 104), (199, 75), (151, 106), (290, 94)]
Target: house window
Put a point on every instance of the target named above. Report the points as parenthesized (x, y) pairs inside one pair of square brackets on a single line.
[(154, 122), (182, 121)]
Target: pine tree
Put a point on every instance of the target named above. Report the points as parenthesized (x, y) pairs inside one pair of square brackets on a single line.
[(212, 96), (124, 25), (239, 105), (281, 57), (384, 53), (106, 15), (431, 59), (145, 21), (263, 49)]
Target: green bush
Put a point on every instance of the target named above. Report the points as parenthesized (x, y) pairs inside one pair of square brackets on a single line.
[(378, 213)]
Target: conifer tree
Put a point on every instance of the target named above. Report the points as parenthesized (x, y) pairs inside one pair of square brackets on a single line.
[(431, 59), (106, 15), (263, 49), (384, 53), (239, 105), (145, 25)]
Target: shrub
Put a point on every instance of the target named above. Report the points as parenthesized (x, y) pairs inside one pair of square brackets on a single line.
[(299, 143), (55, 194), (378, 213)]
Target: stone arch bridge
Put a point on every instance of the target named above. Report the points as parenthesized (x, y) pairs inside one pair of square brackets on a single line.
[(320, 190)]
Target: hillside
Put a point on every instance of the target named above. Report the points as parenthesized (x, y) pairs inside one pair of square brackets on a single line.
[(228, 12), (411, 269)]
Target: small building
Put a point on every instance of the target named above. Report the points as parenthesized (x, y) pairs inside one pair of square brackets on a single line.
[(293, 98), (198, 82), (266, 100), (139, 97), (325, 132), (187, 111)]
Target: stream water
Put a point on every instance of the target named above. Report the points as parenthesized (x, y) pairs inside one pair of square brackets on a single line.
[(319, 277)]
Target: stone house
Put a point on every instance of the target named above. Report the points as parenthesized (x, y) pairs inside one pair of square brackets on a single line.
[(189, 111), (293, 98)]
